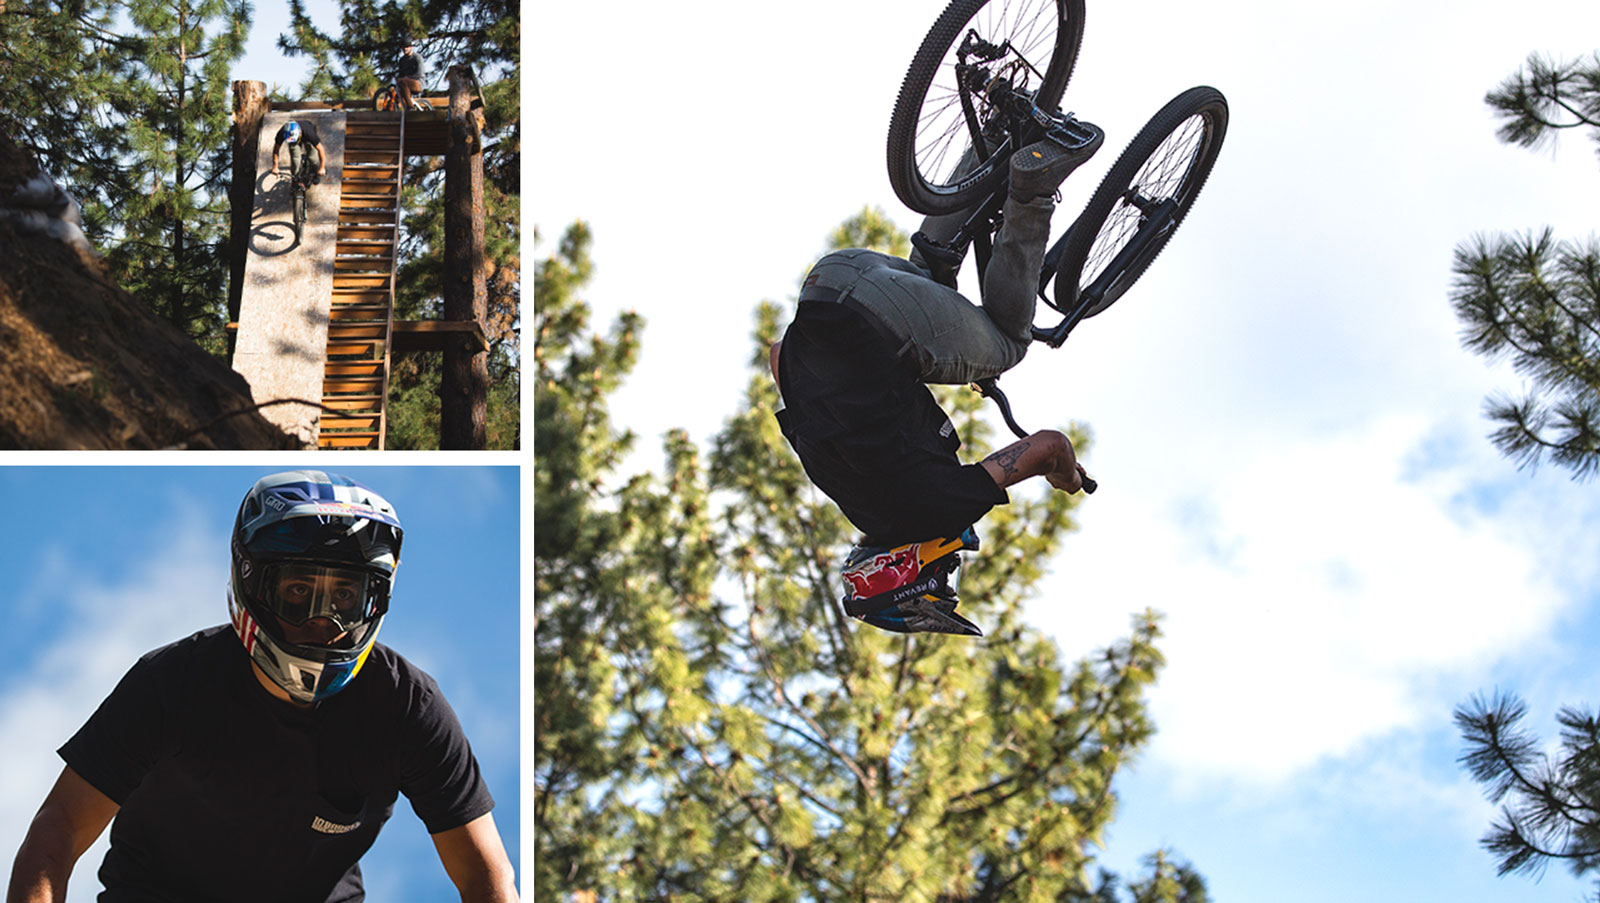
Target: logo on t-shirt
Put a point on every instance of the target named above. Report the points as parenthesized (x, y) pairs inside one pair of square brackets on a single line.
[(318, 823)]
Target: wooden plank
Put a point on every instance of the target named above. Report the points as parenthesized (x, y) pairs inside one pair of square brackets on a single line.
[(364, 187), (344, 385), (357, 213), (346, 265), (384, 171), (340, 422), (361, 300), (366, 248), (348, 440), (346, 332), (364, 157), (353, 369), (352, 402), (347, 348), (358, 312), (375, 232), (346, 280)]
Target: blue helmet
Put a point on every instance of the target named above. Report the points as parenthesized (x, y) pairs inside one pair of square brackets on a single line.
[(314, 556), (291, 132)]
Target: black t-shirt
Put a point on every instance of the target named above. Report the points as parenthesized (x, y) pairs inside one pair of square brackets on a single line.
[(229, 794), (308, 133), (870, 435)]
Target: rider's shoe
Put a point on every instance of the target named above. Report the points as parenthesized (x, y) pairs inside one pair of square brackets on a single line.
[(1039, 169), (907, 588)]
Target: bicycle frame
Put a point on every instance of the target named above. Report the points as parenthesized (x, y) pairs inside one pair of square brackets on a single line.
[(1024, 123)]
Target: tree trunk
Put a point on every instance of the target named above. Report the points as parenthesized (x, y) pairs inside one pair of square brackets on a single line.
[(464, 386), (249, 108)]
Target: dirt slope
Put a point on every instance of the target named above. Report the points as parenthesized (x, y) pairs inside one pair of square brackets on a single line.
[(83, 365)]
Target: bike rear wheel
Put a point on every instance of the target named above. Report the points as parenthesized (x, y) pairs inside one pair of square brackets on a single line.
[(1141, 201), (1037, 45)]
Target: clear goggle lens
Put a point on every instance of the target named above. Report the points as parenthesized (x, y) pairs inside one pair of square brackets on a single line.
[(298, 593)]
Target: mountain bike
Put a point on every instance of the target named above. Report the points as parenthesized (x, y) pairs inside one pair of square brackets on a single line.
[(301, 178), (387, 99), (989, 76)]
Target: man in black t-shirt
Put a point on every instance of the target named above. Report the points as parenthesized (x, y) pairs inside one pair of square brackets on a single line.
[(258, 762), (298, 134), (869, 331)]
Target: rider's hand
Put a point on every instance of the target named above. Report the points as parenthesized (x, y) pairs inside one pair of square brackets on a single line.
[(1070, 482)]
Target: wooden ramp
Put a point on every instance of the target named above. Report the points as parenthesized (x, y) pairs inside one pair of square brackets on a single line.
[(283, 312), (355, 378)]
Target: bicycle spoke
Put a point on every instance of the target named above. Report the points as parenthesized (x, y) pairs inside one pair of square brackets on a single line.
[(1163, 176), (1027, 29), (976, 73)]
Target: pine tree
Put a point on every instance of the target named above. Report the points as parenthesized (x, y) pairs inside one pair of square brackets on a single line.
[(483, 36), (60, 65), (711, 726), (173, 228), (126, 104), (1534, 299), (1550, 810)]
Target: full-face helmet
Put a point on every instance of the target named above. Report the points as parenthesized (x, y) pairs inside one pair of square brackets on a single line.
[(292, 132), (909, 588), (314, 556)]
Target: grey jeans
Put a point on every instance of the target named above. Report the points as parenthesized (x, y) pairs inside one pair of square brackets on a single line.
[(951, 339)]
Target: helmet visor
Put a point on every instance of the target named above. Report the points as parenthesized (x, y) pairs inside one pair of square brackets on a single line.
[(298, 592)]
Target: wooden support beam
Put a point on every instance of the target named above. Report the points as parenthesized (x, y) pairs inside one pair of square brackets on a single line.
[(249, 108), (437, 335), (464, 384)]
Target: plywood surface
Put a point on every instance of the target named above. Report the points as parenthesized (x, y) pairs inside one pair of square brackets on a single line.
[(288, 286)]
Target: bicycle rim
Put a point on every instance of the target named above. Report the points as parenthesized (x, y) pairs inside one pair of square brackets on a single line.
[(929, 132), (1168, 160)]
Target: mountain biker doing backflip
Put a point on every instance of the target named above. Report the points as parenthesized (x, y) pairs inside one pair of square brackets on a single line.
[(869, 331), (297, 135)]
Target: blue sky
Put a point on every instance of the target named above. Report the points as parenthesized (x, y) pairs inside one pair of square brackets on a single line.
[(105, 563), (1288, 435)]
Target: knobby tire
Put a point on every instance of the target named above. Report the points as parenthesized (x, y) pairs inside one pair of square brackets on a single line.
[(927, 136), (1172, 155)]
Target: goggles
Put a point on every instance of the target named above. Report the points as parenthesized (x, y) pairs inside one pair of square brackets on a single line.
[(298, 592)]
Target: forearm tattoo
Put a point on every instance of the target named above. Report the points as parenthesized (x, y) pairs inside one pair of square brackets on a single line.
[(1008, 457)]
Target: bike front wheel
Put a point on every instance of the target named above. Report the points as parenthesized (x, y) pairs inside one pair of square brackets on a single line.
[(1141, 201), (299, 208), (1021, 47)]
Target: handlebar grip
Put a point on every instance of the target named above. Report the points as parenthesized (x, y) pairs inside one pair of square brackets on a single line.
[(1089, 486)]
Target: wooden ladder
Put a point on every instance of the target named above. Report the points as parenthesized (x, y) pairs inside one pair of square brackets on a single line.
[(355, 378)]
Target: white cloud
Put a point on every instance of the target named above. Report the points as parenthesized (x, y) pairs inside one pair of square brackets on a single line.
[(1319, 595), (175, 592)]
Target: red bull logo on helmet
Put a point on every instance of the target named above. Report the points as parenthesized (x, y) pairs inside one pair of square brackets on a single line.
[(883, 572)]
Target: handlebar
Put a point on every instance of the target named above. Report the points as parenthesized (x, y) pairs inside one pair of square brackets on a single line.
[(989, 388)]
